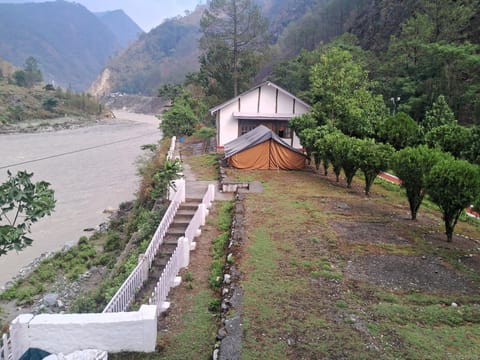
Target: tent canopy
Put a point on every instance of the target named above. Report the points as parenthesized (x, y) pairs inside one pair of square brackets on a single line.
[(263, 149)]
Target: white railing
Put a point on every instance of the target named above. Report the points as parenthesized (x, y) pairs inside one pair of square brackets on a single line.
[(6, 348), (169, 279), (198, 220), (126, 293), (171, 151)]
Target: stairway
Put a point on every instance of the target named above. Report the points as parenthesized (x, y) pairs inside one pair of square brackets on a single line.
[(176, 230)]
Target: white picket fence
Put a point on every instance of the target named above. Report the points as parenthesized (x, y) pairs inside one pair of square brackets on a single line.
[(171, 150), (178, 260), (6, 348), (126, 293), (181, 256)]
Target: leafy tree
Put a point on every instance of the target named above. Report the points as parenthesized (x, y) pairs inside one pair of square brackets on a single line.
[(471, 152), (373, 159), (340, 94), (237, 28), (439, 114), (412, 165), (20, 78), (453, 139), (333, 148), (22, 203), (400, 131), (179, 120), (350, 148), (169, 91), (301, 123), (32, 72), (453, 185), (320, 147)]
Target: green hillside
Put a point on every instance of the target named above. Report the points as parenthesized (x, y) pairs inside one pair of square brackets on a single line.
[(70, 43), (18, 103), (124, 28)]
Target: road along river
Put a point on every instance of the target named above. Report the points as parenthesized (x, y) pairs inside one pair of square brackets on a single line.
[(90, 168)]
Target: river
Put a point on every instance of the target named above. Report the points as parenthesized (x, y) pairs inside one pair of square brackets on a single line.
[(90, 168)]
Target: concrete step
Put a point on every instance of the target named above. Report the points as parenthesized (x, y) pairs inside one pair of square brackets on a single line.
[(171, 239)]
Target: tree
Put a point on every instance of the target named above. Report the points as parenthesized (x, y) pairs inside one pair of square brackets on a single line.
[(453, 185), (340, 95), (179, 120), (332, 145), (412, 165), (239, 30), (440, 114), (400, 131), (373, 159), (350, 154), (453, 139), (22, 203)]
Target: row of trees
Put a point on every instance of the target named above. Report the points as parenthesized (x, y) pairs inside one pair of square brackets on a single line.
[(350, 128)]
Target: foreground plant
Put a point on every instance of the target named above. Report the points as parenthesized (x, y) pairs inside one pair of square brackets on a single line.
[(22, 203)]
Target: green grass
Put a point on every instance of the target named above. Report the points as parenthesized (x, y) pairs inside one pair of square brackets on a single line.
[(204, 166)]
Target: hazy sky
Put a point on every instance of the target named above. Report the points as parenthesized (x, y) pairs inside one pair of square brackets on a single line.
[(146, 13)]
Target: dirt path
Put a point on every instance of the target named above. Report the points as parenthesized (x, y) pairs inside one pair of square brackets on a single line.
[(90, 168)]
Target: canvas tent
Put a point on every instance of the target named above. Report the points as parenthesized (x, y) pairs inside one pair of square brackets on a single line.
[(261, 148)]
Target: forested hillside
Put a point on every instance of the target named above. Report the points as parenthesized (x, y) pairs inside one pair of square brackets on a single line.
[(23, 96), (122, 26), (70, 43), (164, 55)]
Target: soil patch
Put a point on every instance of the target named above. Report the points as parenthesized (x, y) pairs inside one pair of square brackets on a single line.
[(426, 273), (367, 232)]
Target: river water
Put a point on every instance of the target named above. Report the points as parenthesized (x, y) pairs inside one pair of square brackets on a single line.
[(90, 168)]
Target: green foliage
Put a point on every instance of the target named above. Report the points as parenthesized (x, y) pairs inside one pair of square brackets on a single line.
[(163, 178), (225, 216), (49, 103), (400, 131), (22, 203), (340, 95), (440, 114), (451, 138), (373, 158), (453, 185), (412, 166), (180, 119)]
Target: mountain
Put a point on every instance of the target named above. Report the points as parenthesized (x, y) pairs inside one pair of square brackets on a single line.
[(164, 55), (70, 43), (121, 25)]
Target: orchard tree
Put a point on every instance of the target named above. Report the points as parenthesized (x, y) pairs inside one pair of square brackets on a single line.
[(451, 138), (453, 185), (373, 159), (412, 165), (22, 203), (332, 145), (350, 148), (237, 28)]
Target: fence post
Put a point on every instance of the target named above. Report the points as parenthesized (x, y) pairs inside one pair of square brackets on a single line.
[(185, 248), (203, 214)]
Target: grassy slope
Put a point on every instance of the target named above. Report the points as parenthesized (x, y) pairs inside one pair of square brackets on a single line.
[(299, 301), (19, 104)]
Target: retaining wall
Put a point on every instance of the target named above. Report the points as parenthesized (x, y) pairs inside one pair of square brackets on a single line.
[(66, 333)]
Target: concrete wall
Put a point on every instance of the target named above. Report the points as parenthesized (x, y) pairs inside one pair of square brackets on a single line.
[(66, 333)]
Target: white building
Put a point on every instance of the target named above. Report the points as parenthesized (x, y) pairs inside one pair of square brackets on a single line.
[(266, 104)]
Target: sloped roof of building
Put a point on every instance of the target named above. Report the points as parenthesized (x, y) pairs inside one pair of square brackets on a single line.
[(265, 83), (254, 137)]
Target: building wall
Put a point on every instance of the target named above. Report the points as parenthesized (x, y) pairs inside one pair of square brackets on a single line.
[(268, 100), (228, 125), (66, 333)]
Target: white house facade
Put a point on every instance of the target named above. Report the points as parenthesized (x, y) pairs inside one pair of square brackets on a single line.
[(266, 104)]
